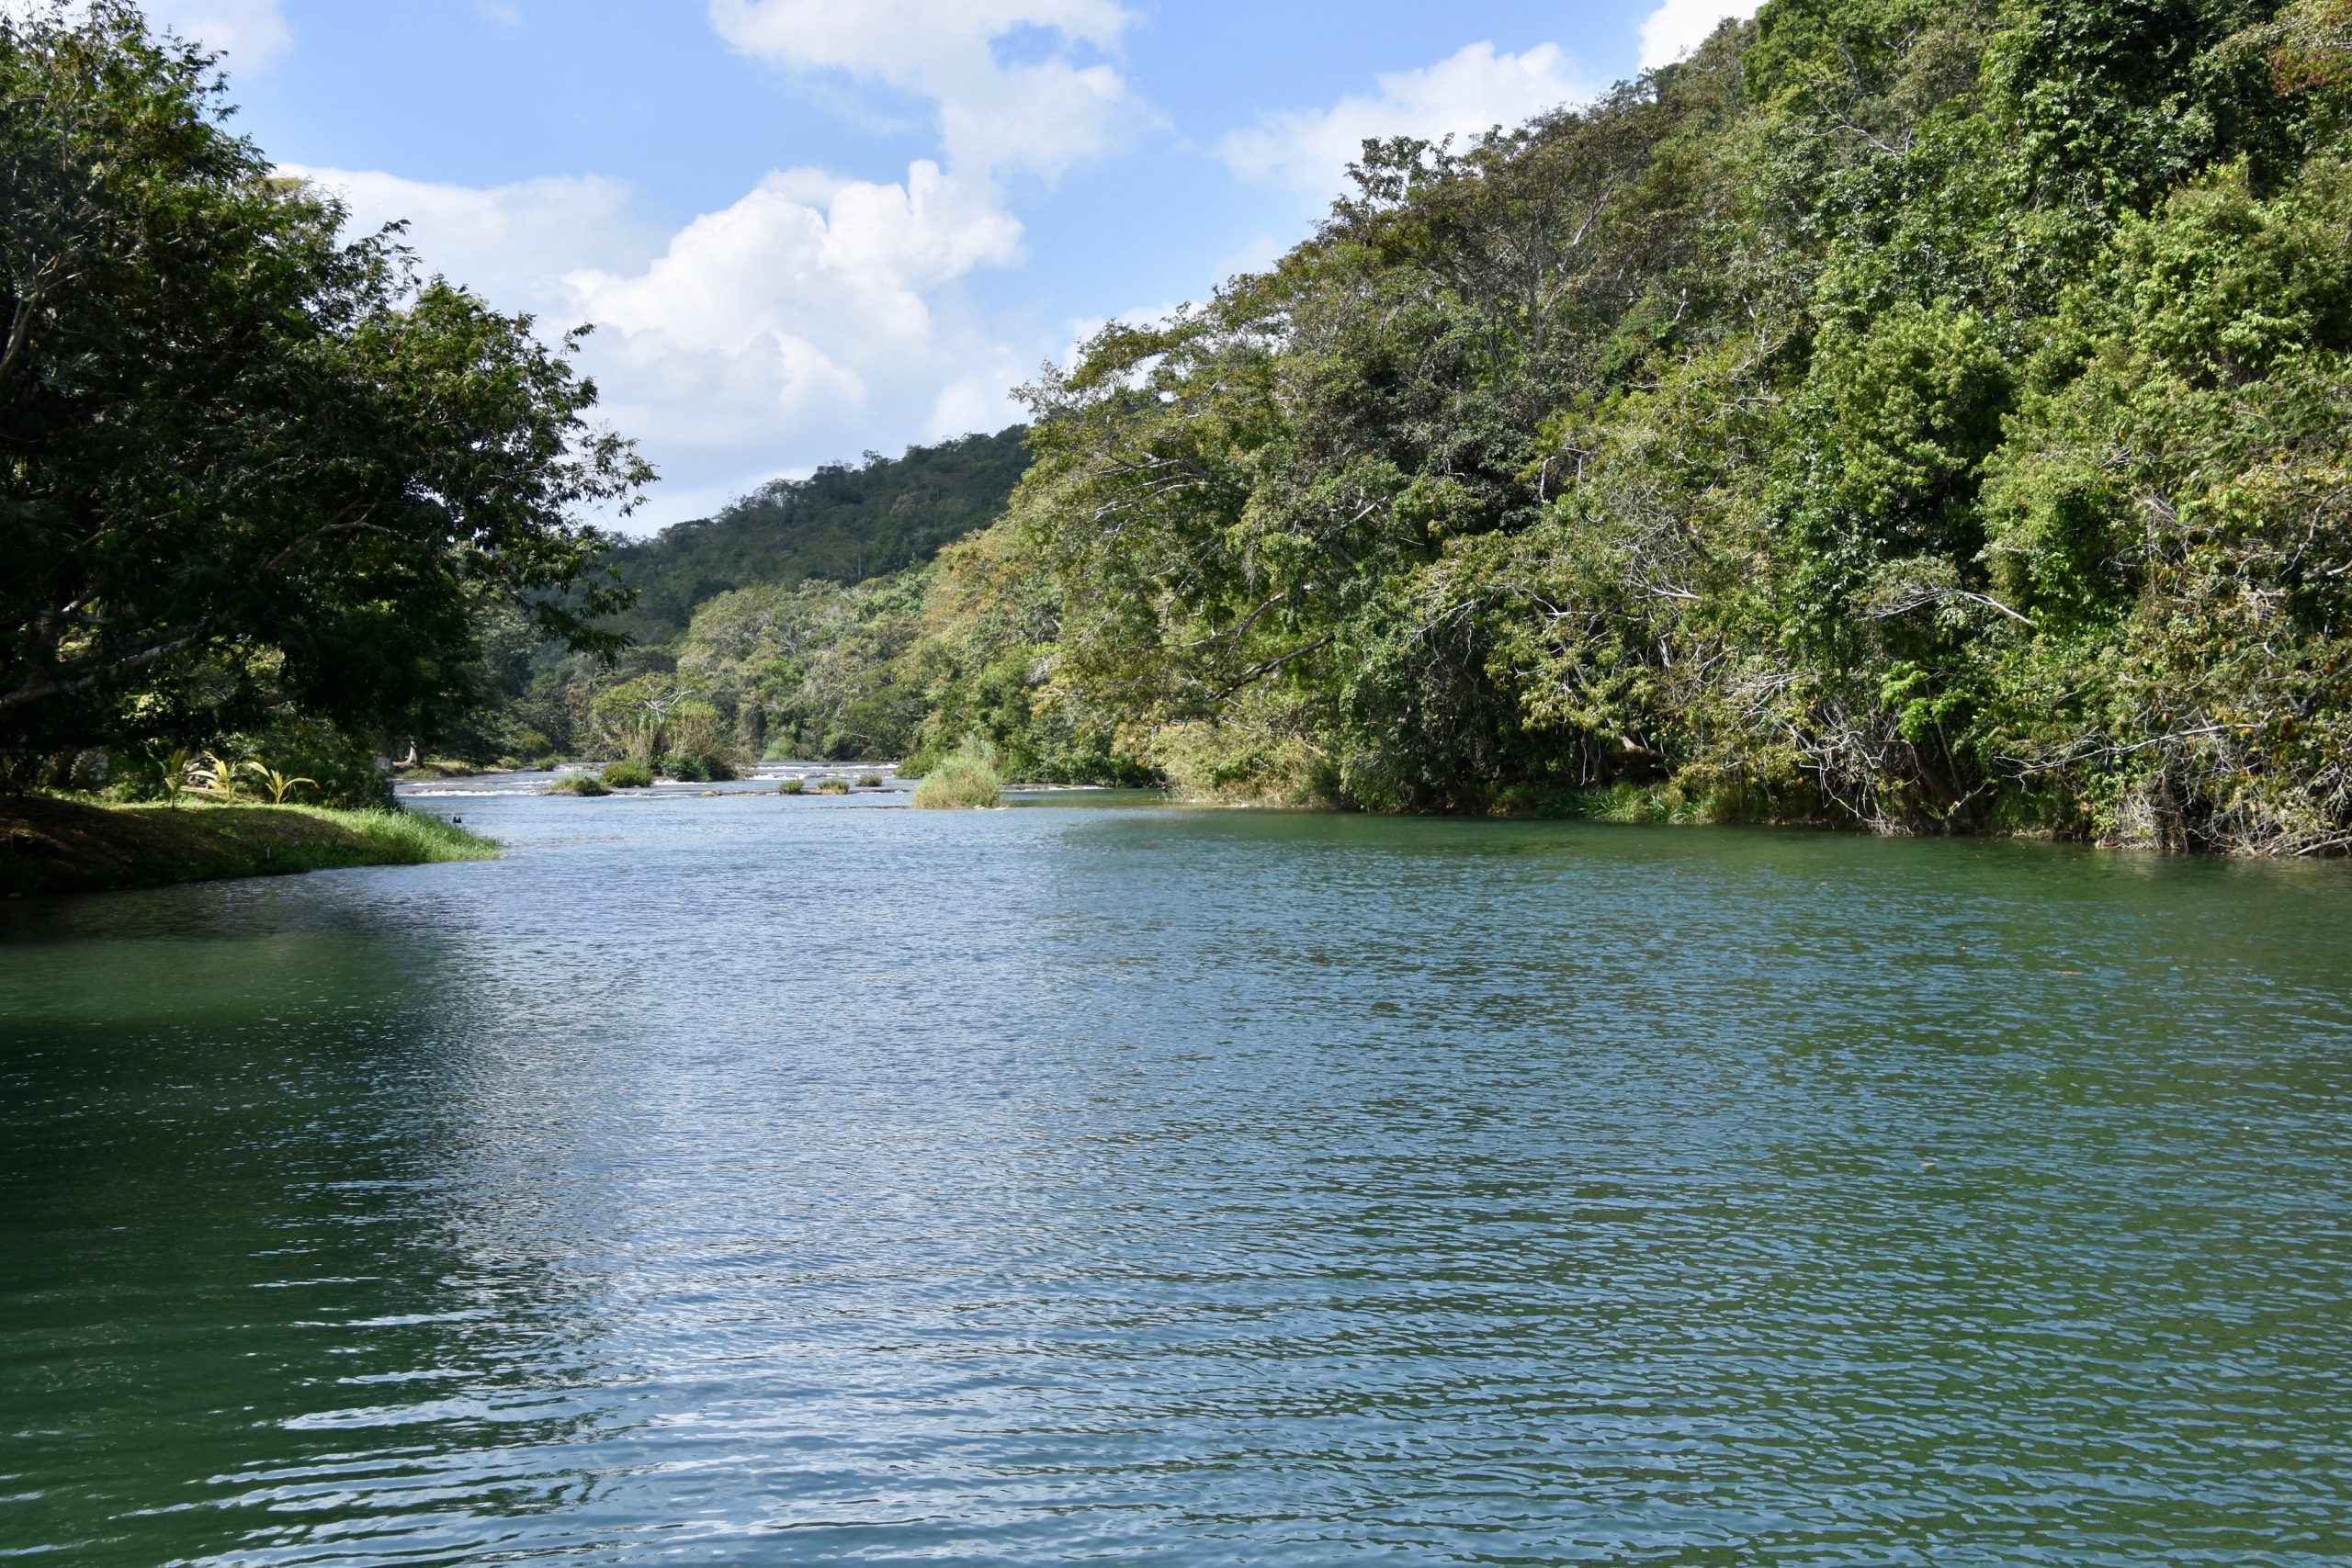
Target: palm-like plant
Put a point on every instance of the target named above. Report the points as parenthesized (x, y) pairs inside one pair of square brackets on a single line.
[(278, 785), (218, 778), (172, 771)]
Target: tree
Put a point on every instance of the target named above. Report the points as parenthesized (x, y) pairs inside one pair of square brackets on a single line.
[(1930, 415), (250, 463)]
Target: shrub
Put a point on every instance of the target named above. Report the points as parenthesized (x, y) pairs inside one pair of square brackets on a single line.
[(963, 781), (832, 786), (695, 767), (869, 780), (789, 786), (578, 783), (628, 773)]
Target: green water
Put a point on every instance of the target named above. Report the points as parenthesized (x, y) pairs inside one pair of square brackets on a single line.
[(800, 1180)]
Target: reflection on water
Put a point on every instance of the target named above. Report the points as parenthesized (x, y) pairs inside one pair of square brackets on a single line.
[(761, 1179)]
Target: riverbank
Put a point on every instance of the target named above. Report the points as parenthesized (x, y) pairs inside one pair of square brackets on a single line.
[(52, 845)]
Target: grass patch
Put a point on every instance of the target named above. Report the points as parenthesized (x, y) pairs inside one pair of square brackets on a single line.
[(869, 780), (49, 846), (1625, 803), (832, 786), (962, 782), (1693, 796), (627, 774), (439, 768), (789, 786), (579, 783)]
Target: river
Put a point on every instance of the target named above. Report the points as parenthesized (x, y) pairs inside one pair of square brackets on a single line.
[(761, 1179)]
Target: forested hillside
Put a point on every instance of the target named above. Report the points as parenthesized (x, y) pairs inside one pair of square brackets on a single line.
[(778, 626), (1924, 413), (841, 524)]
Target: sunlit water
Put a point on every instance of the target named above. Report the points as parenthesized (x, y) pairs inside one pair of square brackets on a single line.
[(762, 1180)]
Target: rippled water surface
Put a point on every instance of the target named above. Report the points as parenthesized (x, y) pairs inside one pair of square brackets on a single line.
[(763, 1180)]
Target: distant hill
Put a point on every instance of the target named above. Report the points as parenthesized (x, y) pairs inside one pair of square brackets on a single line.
[(843, 523)]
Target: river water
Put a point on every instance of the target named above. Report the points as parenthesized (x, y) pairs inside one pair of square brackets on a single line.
[(768, 1180)]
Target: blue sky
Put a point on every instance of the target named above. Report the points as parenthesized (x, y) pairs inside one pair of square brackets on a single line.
[(808, 228)]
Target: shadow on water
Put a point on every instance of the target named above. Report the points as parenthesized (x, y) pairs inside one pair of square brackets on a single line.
[(236, 1304), (752, 1180)]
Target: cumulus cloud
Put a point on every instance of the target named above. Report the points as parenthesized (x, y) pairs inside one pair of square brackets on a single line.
[(811, 300), (252, 33), (799, 323), (1678, 26), (509, 243), (1010, 82), (1469, 91)]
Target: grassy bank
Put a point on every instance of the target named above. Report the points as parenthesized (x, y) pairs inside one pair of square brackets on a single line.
[(51, 845)]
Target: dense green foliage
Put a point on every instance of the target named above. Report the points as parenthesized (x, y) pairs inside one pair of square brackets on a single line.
[(840, 525), (1932, 415), (812, 671), (252, 470)]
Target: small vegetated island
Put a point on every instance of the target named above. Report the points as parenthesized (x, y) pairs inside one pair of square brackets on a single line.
[(1930, 417)]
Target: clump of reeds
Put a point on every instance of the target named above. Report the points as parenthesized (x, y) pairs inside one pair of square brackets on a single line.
[(965, 780)]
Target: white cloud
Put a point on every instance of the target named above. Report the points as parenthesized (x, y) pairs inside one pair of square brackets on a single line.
[(812, 302), (816, 316), (1470, 91), (980, 399), (1082, 329), (252, 33), (1041, 114), (1678, 26), (509, 243)]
